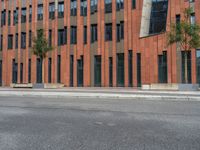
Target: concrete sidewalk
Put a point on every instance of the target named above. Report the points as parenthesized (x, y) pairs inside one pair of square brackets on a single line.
[(112, 93)]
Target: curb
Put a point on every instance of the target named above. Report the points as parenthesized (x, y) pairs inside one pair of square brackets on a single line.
[(98, 95)]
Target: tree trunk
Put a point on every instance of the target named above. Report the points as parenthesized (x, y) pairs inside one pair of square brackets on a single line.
[(186, 68)]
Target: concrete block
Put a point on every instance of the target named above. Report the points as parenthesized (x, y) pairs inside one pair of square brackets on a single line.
[(21, 85), (146, 87)]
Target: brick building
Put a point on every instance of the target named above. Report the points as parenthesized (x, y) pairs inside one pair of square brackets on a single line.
[(96, 42)]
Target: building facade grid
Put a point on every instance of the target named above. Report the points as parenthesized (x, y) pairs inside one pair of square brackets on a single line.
[(96, 42)]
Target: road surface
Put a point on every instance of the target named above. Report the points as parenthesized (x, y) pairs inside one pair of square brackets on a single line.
[(98, 124)]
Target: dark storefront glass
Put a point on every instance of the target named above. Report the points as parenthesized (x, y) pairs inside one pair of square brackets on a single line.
[(71, 70), (97, 71), (49, 69), (162, 68), (39, 70), (120, 69), (110, 71), (80, 71), (130, 67), (158, 16), (14, 71), (139, 70)]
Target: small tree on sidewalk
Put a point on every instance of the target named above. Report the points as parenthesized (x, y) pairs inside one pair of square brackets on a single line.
[(187, 35), (40, 48)]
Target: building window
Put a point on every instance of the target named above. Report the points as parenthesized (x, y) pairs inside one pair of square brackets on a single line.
[(108, 6), (23, 40), (133, 4), (3, 18), (192, 19), (97, 71), (178, 18), (83, 7), (94, 33), (73, 36), (30, 39), (93, 6), (85, 35), (108, 32), (62, 37), (23, 15), (10, 41), (158, 17), (50, 37), (60, 9), (30, 13), (40, 12), (1, 42), (16, 40), (15, 19), (120, 69), (51, 10), (73, 7), (9, 17), (120, 31), (119, 4), (162, 68)]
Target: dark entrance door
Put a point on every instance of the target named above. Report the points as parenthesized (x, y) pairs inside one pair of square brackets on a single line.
[(29, 71), (21, 73), (71, 70), (130, 68), (162, 68), (39, 70), (139, 70), (49, 70), (14, 71), (97, 71), (110, 71), (80, 72), (0, 72), (59, 69), (120, 70)]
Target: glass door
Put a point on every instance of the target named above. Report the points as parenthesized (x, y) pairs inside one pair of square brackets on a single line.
[(80, 72)]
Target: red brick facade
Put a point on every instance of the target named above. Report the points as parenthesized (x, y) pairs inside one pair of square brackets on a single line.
[(148, 47)]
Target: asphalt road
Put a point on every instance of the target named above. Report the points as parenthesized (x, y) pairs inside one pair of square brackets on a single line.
[(98, 124)]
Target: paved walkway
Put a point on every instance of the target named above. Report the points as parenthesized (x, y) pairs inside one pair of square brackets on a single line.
[(126, 93)]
